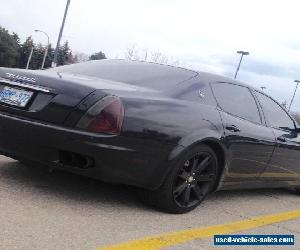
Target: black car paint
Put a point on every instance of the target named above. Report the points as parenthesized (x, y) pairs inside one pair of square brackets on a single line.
[(158, 127), (250, 145), (284, 165)]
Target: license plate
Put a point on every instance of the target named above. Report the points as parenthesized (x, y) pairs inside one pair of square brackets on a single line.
[(16, 97)]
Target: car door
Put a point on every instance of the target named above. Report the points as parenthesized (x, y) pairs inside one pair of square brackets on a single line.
[(285, 163), (249, 141)]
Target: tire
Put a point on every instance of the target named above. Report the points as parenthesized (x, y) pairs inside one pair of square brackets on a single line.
[(297, 190), (191, 179)]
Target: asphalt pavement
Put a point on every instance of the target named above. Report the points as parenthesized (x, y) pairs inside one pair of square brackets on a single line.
[(58, 210)]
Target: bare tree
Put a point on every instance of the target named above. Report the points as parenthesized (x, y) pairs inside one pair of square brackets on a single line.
[(81, 57), (158, 57), (146, 54), (136, 53), (284, 105), (132, 53)]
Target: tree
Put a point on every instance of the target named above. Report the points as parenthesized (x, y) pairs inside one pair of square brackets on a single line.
[(50, 57), (97, 56), (37, 56), (81, 57), (65, 55), (136, 53), (158, 57), (13, 53), (284, 105), (62, 55), (24, 52), (132, 53), (9, 45)]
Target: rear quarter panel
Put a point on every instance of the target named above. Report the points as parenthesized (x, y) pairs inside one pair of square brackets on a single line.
[(165, 127)]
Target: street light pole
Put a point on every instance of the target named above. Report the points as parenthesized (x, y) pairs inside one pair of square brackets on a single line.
[(29, 58), (46, 50), (54, 63), (296, 81), (243, 53)]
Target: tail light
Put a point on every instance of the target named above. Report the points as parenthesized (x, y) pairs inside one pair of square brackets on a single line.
[(106, 116)]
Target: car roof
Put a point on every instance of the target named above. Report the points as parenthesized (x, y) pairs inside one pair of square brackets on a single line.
[(204, 76), (210, 77), (207, 77)]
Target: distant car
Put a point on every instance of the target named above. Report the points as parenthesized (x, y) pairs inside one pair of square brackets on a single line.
[(177, 133)]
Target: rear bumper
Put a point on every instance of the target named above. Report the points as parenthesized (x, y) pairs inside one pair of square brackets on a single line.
[(118, 159)]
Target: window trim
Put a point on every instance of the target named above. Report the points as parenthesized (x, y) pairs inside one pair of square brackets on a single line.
[(266, 120), (261, 116)]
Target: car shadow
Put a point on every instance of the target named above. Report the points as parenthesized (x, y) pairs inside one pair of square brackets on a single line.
[(67, 186), (71, 187)]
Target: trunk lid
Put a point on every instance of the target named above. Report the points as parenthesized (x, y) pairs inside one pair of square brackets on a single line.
[(56, 95), (53, 96)]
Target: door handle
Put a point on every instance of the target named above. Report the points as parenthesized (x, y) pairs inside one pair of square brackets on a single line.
[(281, 139), (232, 128)]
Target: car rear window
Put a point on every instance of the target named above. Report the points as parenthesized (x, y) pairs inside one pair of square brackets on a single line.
[(142, 74)]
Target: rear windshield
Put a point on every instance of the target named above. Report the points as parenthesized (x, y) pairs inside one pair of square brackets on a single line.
[(142, 74)]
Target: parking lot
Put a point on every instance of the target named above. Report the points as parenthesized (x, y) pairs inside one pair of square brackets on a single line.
[(42, 210)]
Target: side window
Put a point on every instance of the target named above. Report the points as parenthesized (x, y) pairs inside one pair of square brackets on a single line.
[(275, 115), (236, 100)]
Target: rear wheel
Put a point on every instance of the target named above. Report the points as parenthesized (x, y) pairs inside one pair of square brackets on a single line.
[(297, 190), (189, 182)]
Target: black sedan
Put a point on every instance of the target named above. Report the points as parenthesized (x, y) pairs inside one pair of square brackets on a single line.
[(176, 133)]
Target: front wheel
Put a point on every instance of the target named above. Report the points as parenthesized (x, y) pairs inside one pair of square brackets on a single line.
[(189, 182)]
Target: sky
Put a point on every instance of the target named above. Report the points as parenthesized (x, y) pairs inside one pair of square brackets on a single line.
[(202, 35)]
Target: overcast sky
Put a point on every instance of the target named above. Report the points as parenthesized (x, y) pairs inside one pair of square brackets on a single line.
[(202, 35)]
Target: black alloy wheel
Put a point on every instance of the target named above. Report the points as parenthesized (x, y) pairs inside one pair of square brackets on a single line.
[(194, 179), (191, 179)]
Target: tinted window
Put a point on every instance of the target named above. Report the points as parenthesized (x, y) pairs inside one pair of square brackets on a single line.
[(274, 113), (143, 74), (236, 100)]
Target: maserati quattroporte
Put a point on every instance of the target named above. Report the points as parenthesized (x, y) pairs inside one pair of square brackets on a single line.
[(178, 134)]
